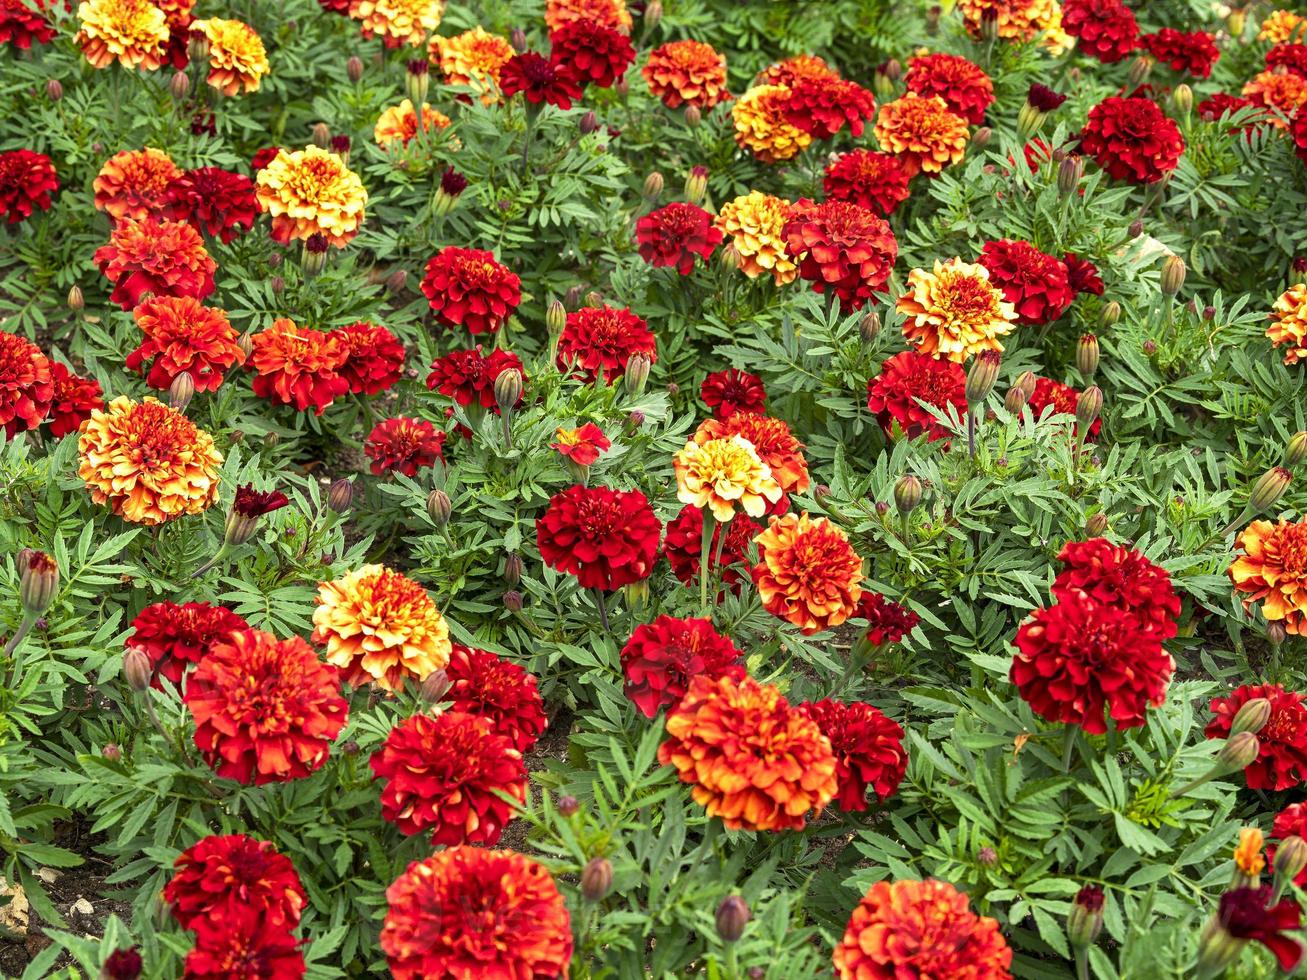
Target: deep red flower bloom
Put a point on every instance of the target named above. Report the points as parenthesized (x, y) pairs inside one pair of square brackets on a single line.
[(376, 357), (468, 376), (1079, 655), (404, 444), (869, 179), (25, 21), (467, 287), (491, 687), (1117, 576), (1035, 284), (157, 256), (1194, 52), (444, 774), (1298, 132), (603, 339), (684, 545), (1082, 275), (26, 385), (582, 445), (265, 710), (539, 80), (176, 637), (1132, 140), (123, 964), (732, 390), (606, 538), (243, 946), (264, 157), (1292, 57), (903, 379), (1290, 822), (218, 875), (887, 621), (1281, 762), (249, 502), (1044, 98), (1063, 398), (960, 83), (821, 105), (1247, 913), (674, 235), (592, 53), (215, 201), (1219, 103), (452, 182), (74, 400), (661, 658), (27, 180), (1106, 29), (868, 747), (841, 247)]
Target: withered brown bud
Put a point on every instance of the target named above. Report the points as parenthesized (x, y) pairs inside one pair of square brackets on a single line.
[(354, 68)]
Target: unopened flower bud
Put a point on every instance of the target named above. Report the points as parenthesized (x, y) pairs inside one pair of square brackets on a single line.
[(1027, 382), (1182, 99), (179, 85), (1029, 119), (932, 19), (653, 186), (122, 964), (354, 68), (76, 302), (982, 376), (1235, 22), (417, 81), (987, 857), (1139, 69), (1295, 451), (1290, 859), (637, 594), (1088, 406), (594, 299), (321, 135), (907, 493), (340, 495), (181, 391), (1276, 633), (653, 14), (1096, 525), (313, 256), (589, 123), (54, 90), (38, 581), (1136, 228), (637, 374), (435, 687), (1252, 716), (730, 258), (112, 751), (397, 280), (1109, 315), (1087, 356), (136, 668), (1149, 347), (732, 916), (988, 25), (555, 317), (635, 419), (1015, 400), (513, 601), (439, 507), (696, 184), (197, 47), (869, 327), (1238, 752), (1068, 175), (277, 284), (568, 806), (596, 879), (693, 116), (517, 38), (1085, 920), (246, 343), (1269, 488), (512, 568), (508, 389), (1172, 275), (981, 137)]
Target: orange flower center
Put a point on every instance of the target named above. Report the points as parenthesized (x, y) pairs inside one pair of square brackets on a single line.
[(966, 299)]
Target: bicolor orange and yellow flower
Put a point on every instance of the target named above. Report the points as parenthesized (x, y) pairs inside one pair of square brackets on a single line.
[(309, 192), (953, 311), (755, 223), (722, 474)]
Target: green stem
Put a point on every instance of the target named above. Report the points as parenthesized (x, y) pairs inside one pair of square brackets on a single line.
[(1082, 963), (705, 546), (602, 603)]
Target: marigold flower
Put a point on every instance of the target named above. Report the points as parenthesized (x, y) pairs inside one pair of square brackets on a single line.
[(602, 339), (467, 287), (868, 747), (1248, 855), (753, 760), (539, 80), (876, 181), (465, 907), (1082, 275), (791, 70), (887, 621), (265, 710), (609, 13), (841, 247), (1132, 140), (755, 222), (132, 32), (1020, 20), (219, 875), (772, 441), (730, 391), (1219, 104), (1036, 285), (217, 202), (135, 184), (167, 258), (592, 53), (398, 22), (298, 366), (404, 445), (1193, 52), (674, 235), (922, 132), (21, 23), (1280, 26), (719, 473), (821, 106), (963, 85), (606, 538), (444, 773), (474, 58), (380, 627), (661, 658), (684, 545), (1292, 57), (921, 929), (468, 376), (311, 192), (177, 637), (74, 400), (1105, 29), (1121, 577), (375, 360), (27, 388), (807, 574), (1063, 399), (148, 462), (1281, 761), (491, 687), (1285, 93), (399, 124), (1288, 327), (243, 944), (686, 73), (184, 336), (27, 180), (1271, 571), (954, 311), (582, 445), (1290, 822), (762, 127), (1251, 914), (909, 378), (237, 59)]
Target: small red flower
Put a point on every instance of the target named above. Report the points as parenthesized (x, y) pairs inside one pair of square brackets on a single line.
[(841, 247), (243, 946), (466, 287), (491, 687), (153, 255), (123, 964), (730, 391), (405, 445), (217, 202), (887, 621), (1037, 285), (684, 546), (606, 538), (1194, 52), (375, 360), (1281, 762), (1063, 398), (539, 80), (674, 235), (216, 877), (912, 377), (962, 84), (582, 446), (603, 339), (1292, 57), (27, 388), (661, 658), (264, 157), (1082, 275), (821, 105), (1132, 140), (74, 400), (1290, 822), (591, 53), (868, 747), (176, 637), (1121, 577), (1106, 29), (468, 376), (249, 502), (22, 22), (869, 179), (1248, 914), (1218, 104), (27, 179)]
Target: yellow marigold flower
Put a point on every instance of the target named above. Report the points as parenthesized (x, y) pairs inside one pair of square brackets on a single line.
[(237, 59), (398, 22), (148, 462), (472, 58), (808, 574), (1273, 571), (755, 222), (953, 311), (609, 13), (922, 132), (1248, 855), (399, 123), (1284, 93), (1056, 41), (132, 32), (1281, 26), (1289, 323), (311, 191), (1021, 20), (721, 473), (380, 627), (761, 126)]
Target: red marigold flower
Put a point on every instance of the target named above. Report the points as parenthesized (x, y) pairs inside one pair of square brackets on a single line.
[(1292, 57), (909, 378), (841, 247), (822, 105), (166, 258), (1082, 275), (217, 202), (74, 400), (445, 773), (1281, 762), (594, 54), (772, 441), (686, 73), (123, 964), (27, 180), (404, 444), (1218, 104), (606, 538), (135, 184), (1248, 914), (26, 385), (1132, 140), (1044, 98), (868, 747), (249, 502), (219, 875), (661, 658), (21, 23), (684, 545), (887, 621), (1105, 29), (243, 946), (467, 287), (920, 929), (176, 637), (539, 80), (264, 157), (375, 360), (603, 339), (1063, 398), (457, 911), (491, 687), (468, 376), (184, 336), (1079, 655), (1290, 822), (864, 177), (1194, 52), (583, 445), (962, 84), (732, 390), (298, 366), (793, 69), (1117, 576), (807, 573), (1035, 284), (675, 234), (265, 710)]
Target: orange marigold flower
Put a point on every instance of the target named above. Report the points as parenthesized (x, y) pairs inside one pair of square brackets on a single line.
[(380, 627), (1248, 855), (310, 191), (27, 388), (686, 73), (298, 366), (132, 32), (1280, 26), (582, 446), (771, 440), (148, 462), (721, 473), (920, 929), (923, 132), (608, 13), (1282, 92), (755, 222), (841, 247), (762, 126), (237, 59), (398, 22), (134, 183), (183, 335), (74, 400), (962, 84), (167, 258), (1289, 323), (795, 69), (399, 123), (1273, 571), (807, 574), (753, 759), (1021, 20), (404, 445), (954, 311), (472, 58)]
